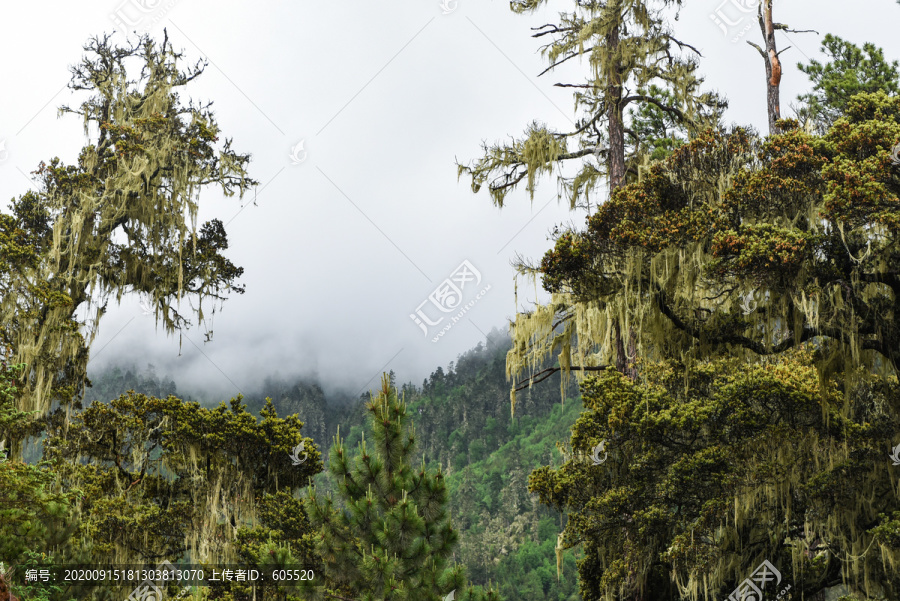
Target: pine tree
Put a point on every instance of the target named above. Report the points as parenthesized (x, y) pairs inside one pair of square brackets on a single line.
[(850, 71), (635, 63), (391, 538)]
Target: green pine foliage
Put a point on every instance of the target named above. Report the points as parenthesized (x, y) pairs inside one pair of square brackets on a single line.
[(849, 71), (393, 538)]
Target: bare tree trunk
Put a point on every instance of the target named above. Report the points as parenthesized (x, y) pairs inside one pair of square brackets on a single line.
[(616, 158), (773, 64)]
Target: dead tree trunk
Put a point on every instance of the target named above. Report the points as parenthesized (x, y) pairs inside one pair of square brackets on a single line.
[(773, 63)]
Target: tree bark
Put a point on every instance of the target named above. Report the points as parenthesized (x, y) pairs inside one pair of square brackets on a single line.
[(616, 156), (621, 358), (773, 64)]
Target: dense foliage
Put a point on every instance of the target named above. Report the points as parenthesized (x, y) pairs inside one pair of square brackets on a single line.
[(737, 296), (746, 291), (162, 478), (737, 246), (37, 518), (506, 539), (714, 468)]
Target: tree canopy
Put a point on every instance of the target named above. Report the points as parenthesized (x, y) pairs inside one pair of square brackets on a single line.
[(162, 478), (122, 219), (716, 467), (736, 245), (642, 79)]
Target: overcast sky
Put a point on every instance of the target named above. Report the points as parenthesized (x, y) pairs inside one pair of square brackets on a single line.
[(355, 113)]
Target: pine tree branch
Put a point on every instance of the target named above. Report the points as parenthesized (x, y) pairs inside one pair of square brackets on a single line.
[(576, 154), (511, 179), (683, 45), (546, 373), (783, 27), (663, 107), (561, 61), (743, 341), (780, 51), (556, 29), (758, 49)]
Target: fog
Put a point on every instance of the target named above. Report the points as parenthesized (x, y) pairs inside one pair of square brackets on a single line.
[(355, 114)]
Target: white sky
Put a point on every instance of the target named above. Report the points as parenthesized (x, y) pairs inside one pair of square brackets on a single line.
[(385, 96)]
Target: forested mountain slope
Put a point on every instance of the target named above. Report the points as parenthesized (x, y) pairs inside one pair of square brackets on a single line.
[(463, 424)]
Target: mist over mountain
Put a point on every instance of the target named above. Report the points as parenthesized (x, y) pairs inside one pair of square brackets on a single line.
[(476, 379), (463, 428)]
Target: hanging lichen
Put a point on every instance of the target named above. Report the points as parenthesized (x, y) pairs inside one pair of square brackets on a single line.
[(730, 246), (138, 180), (639, 74), (162, 478), (743, 464)]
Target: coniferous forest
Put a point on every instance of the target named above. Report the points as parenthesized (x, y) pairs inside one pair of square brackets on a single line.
[(704, 405)]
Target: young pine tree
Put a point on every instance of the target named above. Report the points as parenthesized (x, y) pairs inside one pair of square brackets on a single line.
[(389, 536), (850, 70)]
